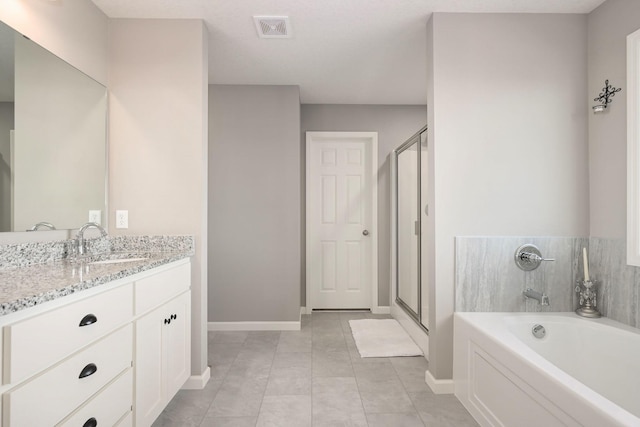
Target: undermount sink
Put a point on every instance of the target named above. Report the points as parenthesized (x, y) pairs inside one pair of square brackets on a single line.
[(118, 260)]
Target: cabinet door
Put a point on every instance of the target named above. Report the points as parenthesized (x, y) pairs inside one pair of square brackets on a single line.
[(148, 366), (163, 357), (176, 337)]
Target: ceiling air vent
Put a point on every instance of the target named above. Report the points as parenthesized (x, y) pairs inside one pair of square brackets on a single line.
[(273, 27)]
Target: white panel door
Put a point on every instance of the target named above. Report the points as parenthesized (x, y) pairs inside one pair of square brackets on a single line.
[(341, 220)]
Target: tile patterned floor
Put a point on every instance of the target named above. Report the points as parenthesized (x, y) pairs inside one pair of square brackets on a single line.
[(312, 377)]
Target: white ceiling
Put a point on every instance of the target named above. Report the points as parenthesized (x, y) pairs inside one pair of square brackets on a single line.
[(341, 52)]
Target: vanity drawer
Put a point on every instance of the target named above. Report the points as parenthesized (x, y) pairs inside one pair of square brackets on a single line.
[(51, 396), (41, 341), (108, 407), (153, 291)]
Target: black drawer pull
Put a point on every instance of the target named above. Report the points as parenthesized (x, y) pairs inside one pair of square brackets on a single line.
[(91, 422), (88, 370), (87, 320)]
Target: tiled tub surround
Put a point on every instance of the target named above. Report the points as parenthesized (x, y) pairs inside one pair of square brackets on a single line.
[(34, 273), (618, 283), (487, 278)]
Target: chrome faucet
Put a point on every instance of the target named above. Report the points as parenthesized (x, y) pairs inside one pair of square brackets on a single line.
[(528, 257), (542, 298), (40, 225), (81, 247)]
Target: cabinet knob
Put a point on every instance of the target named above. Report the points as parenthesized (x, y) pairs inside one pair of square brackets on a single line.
[(174, 316), (91, 422), (167, 321), (87, 320), (88, 370)]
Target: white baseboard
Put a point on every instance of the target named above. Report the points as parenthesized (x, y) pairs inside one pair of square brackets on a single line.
[(381, 310), (253, 326), (197, 382), (439, 386), (374, 310)]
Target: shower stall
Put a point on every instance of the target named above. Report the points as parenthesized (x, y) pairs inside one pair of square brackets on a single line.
[(410, 212)]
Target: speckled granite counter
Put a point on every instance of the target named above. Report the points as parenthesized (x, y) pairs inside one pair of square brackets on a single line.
[(35, 283)]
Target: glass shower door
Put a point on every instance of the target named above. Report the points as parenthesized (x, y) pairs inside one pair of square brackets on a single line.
[(411, 196), (408, 227)]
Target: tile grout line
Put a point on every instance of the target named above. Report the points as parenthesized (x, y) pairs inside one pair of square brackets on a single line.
[(223, 380), (264, 392), (404, 387)]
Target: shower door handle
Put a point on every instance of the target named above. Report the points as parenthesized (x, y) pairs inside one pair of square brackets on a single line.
[(365, 233)]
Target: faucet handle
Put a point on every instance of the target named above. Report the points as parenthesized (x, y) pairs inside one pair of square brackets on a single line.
[(533, 257), (72, 249), (528, 257)]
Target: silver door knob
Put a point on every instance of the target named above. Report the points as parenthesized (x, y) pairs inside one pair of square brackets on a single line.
[(365, 233)]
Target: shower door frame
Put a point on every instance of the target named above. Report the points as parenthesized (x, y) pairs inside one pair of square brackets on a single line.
[(415, 316)]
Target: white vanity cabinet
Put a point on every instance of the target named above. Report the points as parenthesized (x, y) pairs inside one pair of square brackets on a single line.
[(163, 341), (55, 359), (99, 357)]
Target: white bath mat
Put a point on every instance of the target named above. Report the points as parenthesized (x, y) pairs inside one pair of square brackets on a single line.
[(382, 338)]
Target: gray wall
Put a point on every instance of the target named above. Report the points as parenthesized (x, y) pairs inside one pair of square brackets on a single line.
[(509, 140), (394, 124), (254, 203)]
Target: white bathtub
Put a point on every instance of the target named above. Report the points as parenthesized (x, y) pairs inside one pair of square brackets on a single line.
[(582, 373)]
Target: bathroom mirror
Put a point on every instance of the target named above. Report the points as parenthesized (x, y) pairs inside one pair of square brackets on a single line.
[(52, 139)]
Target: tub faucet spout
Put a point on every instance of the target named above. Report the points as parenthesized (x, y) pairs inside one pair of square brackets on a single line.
[(542, 298)]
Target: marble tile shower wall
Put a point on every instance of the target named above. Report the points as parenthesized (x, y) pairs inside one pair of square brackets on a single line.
[(619, 283), (487, 278)]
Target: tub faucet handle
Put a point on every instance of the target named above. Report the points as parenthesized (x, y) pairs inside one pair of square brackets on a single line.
[(528, 257), (533, 257)]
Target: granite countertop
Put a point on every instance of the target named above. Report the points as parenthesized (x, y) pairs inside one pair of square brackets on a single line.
[(23, 287)]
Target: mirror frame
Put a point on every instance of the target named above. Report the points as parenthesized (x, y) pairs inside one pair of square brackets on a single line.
[(633, 149)]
